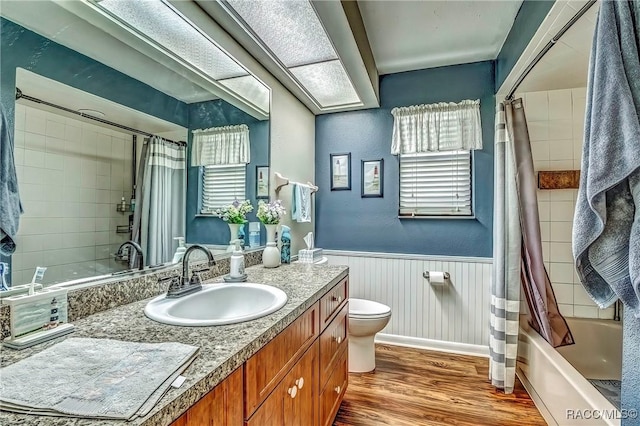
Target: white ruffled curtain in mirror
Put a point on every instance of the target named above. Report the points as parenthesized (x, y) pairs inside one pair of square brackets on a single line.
[(445, 126), (221, 145)]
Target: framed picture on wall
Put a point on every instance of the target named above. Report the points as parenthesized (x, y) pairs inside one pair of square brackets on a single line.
[(340, 171), (372, 178), (262, 182)]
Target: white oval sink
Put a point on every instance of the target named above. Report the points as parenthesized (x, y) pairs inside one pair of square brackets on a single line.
[(217, 304)]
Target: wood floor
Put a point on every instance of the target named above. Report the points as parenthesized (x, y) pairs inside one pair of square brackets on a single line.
[(413, 387)]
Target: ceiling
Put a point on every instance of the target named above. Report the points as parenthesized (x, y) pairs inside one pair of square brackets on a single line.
[(410, 35), (381, 37), (36, 86), (566, 64)]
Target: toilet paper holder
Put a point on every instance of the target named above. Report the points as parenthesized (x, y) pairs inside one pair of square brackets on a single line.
[(425, 274)]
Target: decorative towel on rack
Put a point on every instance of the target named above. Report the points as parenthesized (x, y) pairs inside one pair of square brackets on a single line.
[(301, 203)]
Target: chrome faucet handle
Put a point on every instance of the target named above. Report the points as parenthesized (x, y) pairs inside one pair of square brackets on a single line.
[(195, 278), (174, 283)]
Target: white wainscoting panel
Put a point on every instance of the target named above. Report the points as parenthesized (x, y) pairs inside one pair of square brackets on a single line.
[(457, 312)]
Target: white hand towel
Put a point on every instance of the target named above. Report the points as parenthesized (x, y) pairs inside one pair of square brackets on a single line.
[(301, 211)]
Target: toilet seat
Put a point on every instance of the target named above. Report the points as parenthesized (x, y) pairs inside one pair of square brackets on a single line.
[(363, 309)]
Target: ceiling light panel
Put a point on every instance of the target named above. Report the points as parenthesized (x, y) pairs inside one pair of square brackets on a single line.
[(249, 88), (290, 29), (328, 83), (157, 21)]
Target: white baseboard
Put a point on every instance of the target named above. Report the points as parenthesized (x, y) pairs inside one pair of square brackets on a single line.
[(433, 345)]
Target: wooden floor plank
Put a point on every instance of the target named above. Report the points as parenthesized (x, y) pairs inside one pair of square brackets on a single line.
[(413, 387)]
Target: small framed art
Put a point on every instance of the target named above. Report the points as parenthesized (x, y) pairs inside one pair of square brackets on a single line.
[(262, 182), (340, 171), (372, 178)]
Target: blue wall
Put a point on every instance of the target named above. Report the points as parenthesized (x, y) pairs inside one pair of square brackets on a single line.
[(528, 19), (212, 230), (345, 221)]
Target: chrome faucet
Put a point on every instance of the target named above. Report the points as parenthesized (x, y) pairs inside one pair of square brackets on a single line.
[(181, 287), (137, 248)]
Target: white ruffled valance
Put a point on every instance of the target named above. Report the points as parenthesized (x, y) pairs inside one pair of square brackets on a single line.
[(445, 126), (221, 145)]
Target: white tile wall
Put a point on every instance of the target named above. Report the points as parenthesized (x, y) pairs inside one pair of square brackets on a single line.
[(71, 175), (556, 119)]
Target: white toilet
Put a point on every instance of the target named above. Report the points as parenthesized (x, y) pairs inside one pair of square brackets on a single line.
[(366, 318)]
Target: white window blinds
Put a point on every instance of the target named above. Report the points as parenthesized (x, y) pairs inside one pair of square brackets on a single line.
[(435, 184), (221, 185)]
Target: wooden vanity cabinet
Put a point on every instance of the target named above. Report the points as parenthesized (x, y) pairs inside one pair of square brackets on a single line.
[(313, 348), (220, 407), (297, 379)]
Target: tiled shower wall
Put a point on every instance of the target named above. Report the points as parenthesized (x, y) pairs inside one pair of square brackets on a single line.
[(71, 176), (556, 127)]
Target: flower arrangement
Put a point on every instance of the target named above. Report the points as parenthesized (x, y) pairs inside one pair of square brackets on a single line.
[(235, 212), (270, 213)]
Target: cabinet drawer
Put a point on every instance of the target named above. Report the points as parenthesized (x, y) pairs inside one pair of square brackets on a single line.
[(333, 340), (331, 302), (332, 394), (265, 369)]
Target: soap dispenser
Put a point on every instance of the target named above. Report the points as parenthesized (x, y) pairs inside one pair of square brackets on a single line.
[(237, 262), (177, 257)]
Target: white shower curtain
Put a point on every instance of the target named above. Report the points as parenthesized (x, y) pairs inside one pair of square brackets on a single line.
[(505, 282), (160, 195)]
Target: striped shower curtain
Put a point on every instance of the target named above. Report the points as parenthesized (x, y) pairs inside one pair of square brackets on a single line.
[(160, 211), (505, 282), (517, 251)]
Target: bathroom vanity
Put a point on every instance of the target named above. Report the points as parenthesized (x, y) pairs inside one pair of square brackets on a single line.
[(288, 368), (298, 378)]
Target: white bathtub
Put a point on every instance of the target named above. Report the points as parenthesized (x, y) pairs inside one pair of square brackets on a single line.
[(555, 379)]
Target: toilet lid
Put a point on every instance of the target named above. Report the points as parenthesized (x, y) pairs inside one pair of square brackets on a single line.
[(361, 308)]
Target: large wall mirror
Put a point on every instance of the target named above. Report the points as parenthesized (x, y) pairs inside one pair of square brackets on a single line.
[(103, 100)]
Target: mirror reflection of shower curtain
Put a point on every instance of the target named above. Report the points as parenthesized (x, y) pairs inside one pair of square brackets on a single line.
[(160, 200), (544, 316)]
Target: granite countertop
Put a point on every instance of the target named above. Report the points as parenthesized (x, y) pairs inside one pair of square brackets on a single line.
[(222, 348)]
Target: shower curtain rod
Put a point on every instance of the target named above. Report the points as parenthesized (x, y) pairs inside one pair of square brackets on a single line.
[(548, 47), (20, 95)]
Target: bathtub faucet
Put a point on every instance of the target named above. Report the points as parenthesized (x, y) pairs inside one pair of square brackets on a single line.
[(617, 308)]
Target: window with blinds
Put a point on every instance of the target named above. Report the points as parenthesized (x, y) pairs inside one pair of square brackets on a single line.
[(435, 184), (221, 185)]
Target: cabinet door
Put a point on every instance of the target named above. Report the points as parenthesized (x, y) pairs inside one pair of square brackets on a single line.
[(266, 369), (301, 391), (333, 393), (220, 407)]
